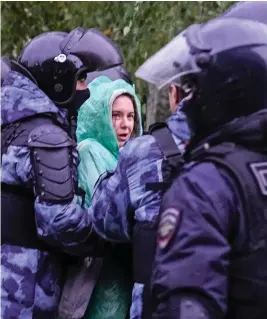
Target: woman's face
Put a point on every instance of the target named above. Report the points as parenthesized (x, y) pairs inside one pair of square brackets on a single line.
[(123, 118)]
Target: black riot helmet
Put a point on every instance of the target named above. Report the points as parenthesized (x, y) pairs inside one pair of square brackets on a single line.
[(56, 60), (5, 67), (220, 66), (118, 72), (251, 10)]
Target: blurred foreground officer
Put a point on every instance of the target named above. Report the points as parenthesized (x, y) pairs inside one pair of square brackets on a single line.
[(211, 259), (251, 10), (41, 216)]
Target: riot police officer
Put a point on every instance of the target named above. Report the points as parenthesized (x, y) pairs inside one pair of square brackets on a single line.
[(118, 72), (212, 233), (41, 213)]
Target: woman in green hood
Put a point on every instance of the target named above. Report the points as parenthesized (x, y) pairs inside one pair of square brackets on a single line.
[(106, 121)]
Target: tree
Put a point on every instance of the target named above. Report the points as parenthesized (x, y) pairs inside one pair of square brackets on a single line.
[(138, 28)]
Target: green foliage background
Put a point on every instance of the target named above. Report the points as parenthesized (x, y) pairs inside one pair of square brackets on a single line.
[(139, 28)]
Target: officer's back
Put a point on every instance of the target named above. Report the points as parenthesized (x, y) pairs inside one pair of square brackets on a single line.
[(211, 259)]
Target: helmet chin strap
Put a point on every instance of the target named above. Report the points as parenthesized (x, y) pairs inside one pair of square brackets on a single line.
[(17, 67)]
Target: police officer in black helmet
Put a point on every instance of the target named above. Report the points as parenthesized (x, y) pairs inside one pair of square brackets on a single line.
[(42, 214), (212, 233), (118, 72)]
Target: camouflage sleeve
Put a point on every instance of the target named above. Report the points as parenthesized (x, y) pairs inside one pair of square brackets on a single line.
[(66, 226), (16, 166), (121, 196), (110, 204)]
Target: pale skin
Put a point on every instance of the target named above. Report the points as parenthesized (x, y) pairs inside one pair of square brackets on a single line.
[(123, 114), (81, 85), (173, 98)]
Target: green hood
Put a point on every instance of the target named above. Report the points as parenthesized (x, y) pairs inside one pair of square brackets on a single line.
[(95, 116)]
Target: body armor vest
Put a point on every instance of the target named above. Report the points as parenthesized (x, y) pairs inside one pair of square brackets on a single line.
[(18, 219), (247, 297)]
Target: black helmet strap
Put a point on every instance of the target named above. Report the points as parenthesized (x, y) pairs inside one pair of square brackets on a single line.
[(15, 66)]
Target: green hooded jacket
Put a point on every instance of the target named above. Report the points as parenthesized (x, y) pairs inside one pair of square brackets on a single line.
[(99, 292), (96, 137)]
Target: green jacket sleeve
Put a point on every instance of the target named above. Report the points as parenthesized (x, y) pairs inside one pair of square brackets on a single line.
[(95, 160)]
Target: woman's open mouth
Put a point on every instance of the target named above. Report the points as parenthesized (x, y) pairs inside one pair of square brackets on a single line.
[(123, 137)]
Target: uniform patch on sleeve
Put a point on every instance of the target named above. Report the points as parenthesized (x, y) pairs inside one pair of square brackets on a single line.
[(260, 172), (168, 224)]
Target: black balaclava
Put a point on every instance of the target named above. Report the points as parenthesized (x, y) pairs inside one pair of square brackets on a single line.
[(79, 98)]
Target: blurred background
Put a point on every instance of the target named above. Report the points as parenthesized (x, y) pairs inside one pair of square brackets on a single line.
[(138, 28)]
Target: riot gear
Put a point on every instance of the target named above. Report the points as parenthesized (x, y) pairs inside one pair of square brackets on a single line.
[(211, 66), (119, 72), (219, 194), (251, 10), (56, 60)]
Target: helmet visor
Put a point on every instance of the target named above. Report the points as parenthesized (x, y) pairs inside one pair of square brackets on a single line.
[(178, 57), (169, 64)]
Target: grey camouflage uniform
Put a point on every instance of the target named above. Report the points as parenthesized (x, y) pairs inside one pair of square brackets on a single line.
[(122, 195), (31, 279)]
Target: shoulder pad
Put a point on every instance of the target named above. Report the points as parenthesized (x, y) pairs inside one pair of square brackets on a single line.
[(49, 136), (52, 161)]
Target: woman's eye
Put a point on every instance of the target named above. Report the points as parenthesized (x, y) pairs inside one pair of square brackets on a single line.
[(116, 116), (131, 116)]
